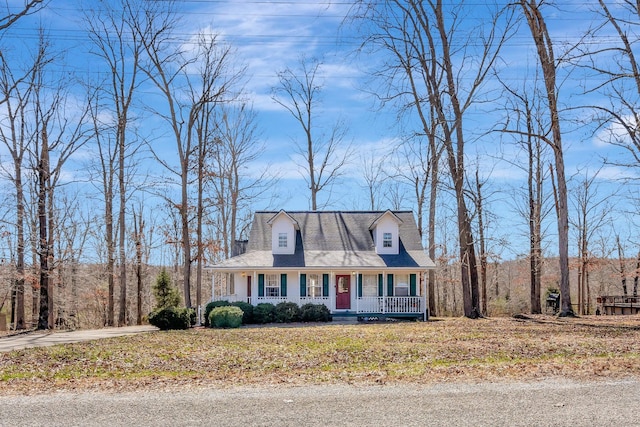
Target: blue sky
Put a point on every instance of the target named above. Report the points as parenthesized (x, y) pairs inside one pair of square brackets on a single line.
[(271, 35)]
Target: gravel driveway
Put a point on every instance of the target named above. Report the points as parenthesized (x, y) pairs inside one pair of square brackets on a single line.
[(546, 403)]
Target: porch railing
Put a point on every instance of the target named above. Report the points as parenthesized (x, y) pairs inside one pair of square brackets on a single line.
[(390, 305), (383, 305), (298, 300)]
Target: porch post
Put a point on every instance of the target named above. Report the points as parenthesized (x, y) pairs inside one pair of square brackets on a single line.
[(254, 282), (213, 285), (423, 289), (357, 280), (385, 278)]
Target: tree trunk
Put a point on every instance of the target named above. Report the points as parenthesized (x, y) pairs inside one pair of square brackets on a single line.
[(535, 221), (138, 225), (623, 274), (110, 258), (544, 47), (186, 238), (43, 179), (432, 238), (19, 316), (122, 317)]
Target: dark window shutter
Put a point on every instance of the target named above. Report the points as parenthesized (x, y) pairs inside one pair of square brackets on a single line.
[(260, 285), (359, 285), (380, 285), (390, 285), (303, 285), (412, 285), (325, 285), (283, 285)]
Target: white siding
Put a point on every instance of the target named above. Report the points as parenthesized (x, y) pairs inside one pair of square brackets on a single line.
[(282, 224), (386, 224)]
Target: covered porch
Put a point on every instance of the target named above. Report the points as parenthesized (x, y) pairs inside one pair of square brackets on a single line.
[(378, 294)]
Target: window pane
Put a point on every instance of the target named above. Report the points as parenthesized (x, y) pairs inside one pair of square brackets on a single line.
[(401, 285), (369, 285), (314, 288), (282, 240), (387, 240), (272, 287)]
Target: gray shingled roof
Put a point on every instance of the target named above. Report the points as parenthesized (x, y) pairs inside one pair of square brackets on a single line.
[(331, 240)]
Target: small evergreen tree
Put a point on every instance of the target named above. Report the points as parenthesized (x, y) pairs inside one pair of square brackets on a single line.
[(166, 294)]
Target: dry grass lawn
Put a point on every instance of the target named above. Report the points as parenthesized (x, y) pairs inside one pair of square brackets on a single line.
[(445, 350)]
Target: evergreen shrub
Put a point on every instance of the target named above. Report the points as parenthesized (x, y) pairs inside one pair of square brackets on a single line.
[(209, 307), (315, 313), (264, 313), (166, 294), (287, 312), (247, 311), (170, 318), (226, 317)]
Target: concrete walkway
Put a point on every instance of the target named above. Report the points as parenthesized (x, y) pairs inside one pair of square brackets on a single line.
[(45, 338)]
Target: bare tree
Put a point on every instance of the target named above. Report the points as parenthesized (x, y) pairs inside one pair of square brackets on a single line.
[(420, 166), (618, 78), (593, 213), (422, 38), (548, 64), (526, 120), (141, 258), (237, 146), (622, 260), (17, 90), (325, 155), (172, 69), (374, 176), (13, 14), (116, 43), (60, 127)]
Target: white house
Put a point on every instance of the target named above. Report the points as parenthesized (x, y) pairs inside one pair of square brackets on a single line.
[(361, 264)]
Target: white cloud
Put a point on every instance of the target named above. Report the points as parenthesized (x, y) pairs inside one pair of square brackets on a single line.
[(616, 132)]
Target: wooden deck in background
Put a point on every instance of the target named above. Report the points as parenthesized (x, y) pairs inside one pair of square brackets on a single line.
[(618, 305)]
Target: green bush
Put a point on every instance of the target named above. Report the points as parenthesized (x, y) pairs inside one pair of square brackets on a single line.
[(226, 317), (191, 312), (264, 313), (170, 318), (287, 312), (209, 307), (247, 311), (315, 313)]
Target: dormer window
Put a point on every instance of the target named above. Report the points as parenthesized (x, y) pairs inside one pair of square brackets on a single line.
[(385, 231), (283, 233)]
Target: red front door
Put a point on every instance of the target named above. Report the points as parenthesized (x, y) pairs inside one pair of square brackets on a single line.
[(343, 292)]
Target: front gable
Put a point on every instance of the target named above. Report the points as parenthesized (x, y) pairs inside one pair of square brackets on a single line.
[(283, 234), (386, 234)]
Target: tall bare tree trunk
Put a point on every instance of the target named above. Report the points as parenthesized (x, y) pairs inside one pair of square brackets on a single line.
[(432, 237), (138, 232), (535, 221), (482, 244), (623, 274), (19, 315), (544, 46), (43, 179), (122, 230)]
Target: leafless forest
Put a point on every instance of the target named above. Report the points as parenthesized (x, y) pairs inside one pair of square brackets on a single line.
[(154, 162)]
